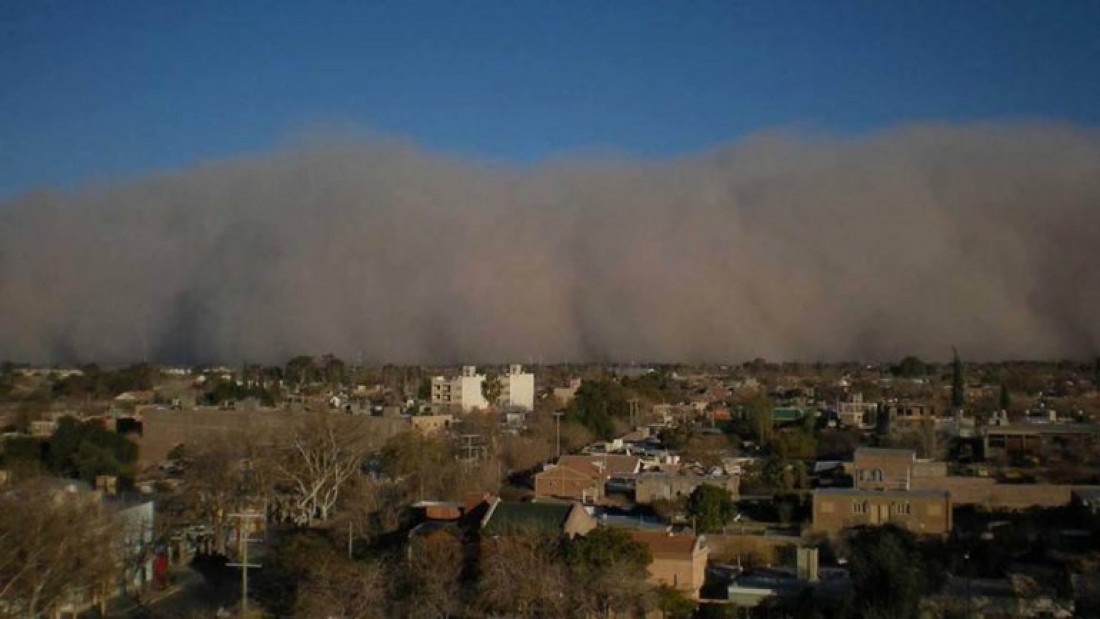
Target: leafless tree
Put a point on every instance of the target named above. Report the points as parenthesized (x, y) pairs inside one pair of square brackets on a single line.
[(523, 573), (56, 546), (315, 463), (431, 578), (221, 476), (338, 587)]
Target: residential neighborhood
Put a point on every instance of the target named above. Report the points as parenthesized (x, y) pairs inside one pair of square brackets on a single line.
[(745, 490)]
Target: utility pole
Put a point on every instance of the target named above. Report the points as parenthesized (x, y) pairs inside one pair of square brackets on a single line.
[(557, 423), (242, 540)]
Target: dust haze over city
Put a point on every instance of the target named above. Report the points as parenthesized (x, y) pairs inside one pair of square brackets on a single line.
[(780, 245), (723, 309), (803, 232)]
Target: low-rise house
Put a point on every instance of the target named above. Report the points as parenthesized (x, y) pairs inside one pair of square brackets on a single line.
[(855, 413), (775, 587), (565, 395), (583, 477), (679, 559), (431, 424), (566, 519), (578, 481), (920, 511), (609, 464), (909, 412), (652, 487), (883, 469), (1032, 438)]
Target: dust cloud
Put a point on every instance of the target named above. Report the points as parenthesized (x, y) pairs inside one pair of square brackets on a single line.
[(781, 245)]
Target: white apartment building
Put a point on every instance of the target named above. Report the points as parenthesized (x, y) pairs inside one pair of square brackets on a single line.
[(464, 391), (517, 388)]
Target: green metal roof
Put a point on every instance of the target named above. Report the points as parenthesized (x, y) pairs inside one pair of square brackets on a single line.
[(787, 414), (514, 515)]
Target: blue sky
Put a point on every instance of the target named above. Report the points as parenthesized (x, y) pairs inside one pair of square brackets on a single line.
[(95, 91)]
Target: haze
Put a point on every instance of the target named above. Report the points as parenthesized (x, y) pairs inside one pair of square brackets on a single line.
[(780, 245)]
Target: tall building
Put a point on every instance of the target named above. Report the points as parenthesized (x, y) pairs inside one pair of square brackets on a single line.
[(463, 391), (517, 390)]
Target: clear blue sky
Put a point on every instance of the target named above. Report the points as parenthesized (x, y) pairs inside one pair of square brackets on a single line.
[(96, 90)]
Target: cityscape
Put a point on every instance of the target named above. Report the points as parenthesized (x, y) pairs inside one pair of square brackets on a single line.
[(433, 310)]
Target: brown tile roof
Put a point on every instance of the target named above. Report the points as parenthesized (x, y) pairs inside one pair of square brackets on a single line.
[(615, 464), (666, 544)]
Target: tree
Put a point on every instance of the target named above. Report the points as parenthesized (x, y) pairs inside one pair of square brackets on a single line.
[(491, 388), (596, 406), (315, 462), (86, 450), (890, 574), (759, 411), (795, 444), (1006, 399), (911, 367), (301, 369), (53, 543), (523, 573), (334, 370), (306, 576), (430, 586), (417, 461), (711, 507), (674, 604), (609, 570), (958, 394), (782, 474), (223, 476)]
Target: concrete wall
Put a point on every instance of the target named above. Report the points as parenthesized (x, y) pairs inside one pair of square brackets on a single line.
[(651, 488), (986, 492), (163, 429)]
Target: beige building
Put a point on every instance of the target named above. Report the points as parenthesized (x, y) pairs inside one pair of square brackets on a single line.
[(909, 412), (920, 511), (576, 481), (679, 559), (652, 487), (876, 468), (855, 413), (431, 424)]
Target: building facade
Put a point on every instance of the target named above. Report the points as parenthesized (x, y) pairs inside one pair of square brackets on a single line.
[(920, 511), (876, 468), (464, 392), (679, 559), (652, 487)]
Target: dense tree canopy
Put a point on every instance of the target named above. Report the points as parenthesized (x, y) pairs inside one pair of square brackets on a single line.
[(596, 406), (711, 507)]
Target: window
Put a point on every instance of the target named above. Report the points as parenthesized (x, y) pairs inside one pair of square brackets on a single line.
[(877, 475), (903, 509), (859, 507)]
